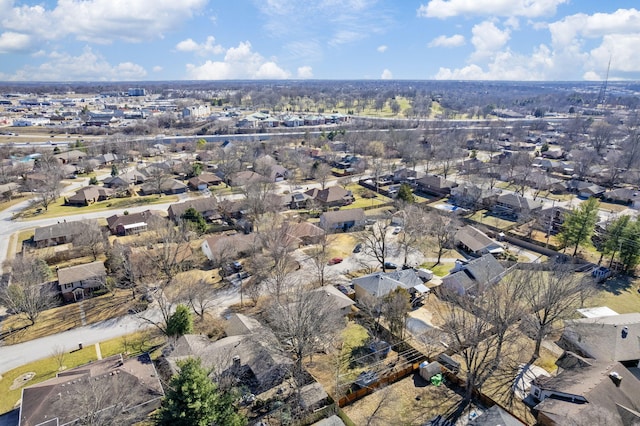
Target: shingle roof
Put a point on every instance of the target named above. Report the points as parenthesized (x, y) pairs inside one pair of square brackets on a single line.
[(62, 229), (81, 272), (380, 284)]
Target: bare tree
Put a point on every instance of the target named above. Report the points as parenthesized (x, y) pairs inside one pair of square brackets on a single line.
[(27, 293), (442, 228), (197, 293), (277, 248), (375, 242), (321, 172), (415, 222), (396, 306), (551, 296), (169, 249), (91, 238), (48, 190), (304, 321), (157, 177), (601, 134), (260, 199), (58, 353), (320, 256)]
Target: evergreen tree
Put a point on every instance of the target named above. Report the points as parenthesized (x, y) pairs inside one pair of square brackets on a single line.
[(580, 224), (194, 400), (180, 322), (195, 220), (405, 194), (629, 243), (114, 170), (613, 241)]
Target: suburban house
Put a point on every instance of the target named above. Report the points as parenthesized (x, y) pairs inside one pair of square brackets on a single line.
[(129, 385), (245, 178), (335, 298), (132, 223), (435, 185), (167, 186), (8, 190), (249, 354), (343, 220), (476, 242), (78, 282), (71, 157), (125, 180), (550, 220), (516, 206), (203, 181), (333, 196), (627, 196), (599, 374), (59, 233), (89, 195), (405, 175), (379, 284), (207, 207), (227, 247), (306, 232), (469, 195), (473, 277), (583, 188)]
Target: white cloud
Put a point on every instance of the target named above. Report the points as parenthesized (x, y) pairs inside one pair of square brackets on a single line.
[(202, 49), (62, 66), (239, 63), (14, 42), (444, 41), (488, 39), (449, 8), (157, 68), (622, 21), (305, 72), (100, 21), (382, 48), (386, 75)]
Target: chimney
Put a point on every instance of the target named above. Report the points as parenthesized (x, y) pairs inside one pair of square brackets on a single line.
[(616, 378), (236, 362)]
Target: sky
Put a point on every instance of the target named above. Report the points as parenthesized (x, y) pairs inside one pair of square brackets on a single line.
[(146, 40)]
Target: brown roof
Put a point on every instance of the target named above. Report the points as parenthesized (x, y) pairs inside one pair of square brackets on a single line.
[(235, 244), (329, 195), (114, 380), (63, 229), (344, 216), (204, 178), (116, 220), (91, 193), (304, 230), (202, 205), (83, 272)]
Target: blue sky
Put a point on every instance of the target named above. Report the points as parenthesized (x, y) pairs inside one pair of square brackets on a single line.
[(88, 40)]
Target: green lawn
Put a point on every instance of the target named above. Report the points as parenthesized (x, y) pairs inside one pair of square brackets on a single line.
[(47, 368), (485, 217), (59, 209), (620, 294), (15, 200)]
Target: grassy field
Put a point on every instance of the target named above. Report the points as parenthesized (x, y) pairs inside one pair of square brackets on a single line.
[(622, 294), (59, 209), (484, 216), (67, 317), (47, 368)]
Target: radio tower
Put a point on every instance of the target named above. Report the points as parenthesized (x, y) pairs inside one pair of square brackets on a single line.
[(602, 95)]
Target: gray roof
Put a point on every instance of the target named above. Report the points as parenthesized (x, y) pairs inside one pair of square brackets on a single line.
[(519, 202), (475, 276), (602, 337), (475, 239), (202, 205), (335, 297), (495, 416), (380, 284), (347, 215)]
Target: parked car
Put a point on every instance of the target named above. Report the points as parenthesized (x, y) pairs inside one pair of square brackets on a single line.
[(390, 265), (335, 261), (357, 248)]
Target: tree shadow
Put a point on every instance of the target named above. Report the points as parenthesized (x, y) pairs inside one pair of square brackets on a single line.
[(617, 285)]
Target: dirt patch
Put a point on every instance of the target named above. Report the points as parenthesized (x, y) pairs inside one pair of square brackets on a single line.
[(22, 380), (409, 401)]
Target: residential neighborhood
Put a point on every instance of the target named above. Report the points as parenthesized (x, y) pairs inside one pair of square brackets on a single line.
[(316, 267)]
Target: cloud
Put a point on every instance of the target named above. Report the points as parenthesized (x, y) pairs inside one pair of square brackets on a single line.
[(202, 49), (157, 68), (443, 9), (88, 66), (14, 42), (622, 21), (386, 75), (382, 48), (305, 72), (239, 63), (444, 41), (100, 21), (487, 39)]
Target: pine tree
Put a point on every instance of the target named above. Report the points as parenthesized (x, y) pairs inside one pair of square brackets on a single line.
[(580, 224), (405, 194), (180, 322)]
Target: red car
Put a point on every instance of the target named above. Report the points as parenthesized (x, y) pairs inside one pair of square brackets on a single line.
[(335, 261)]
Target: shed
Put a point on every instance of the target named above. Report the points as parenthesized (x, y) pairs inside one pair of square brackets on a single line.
[(430, 369)]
